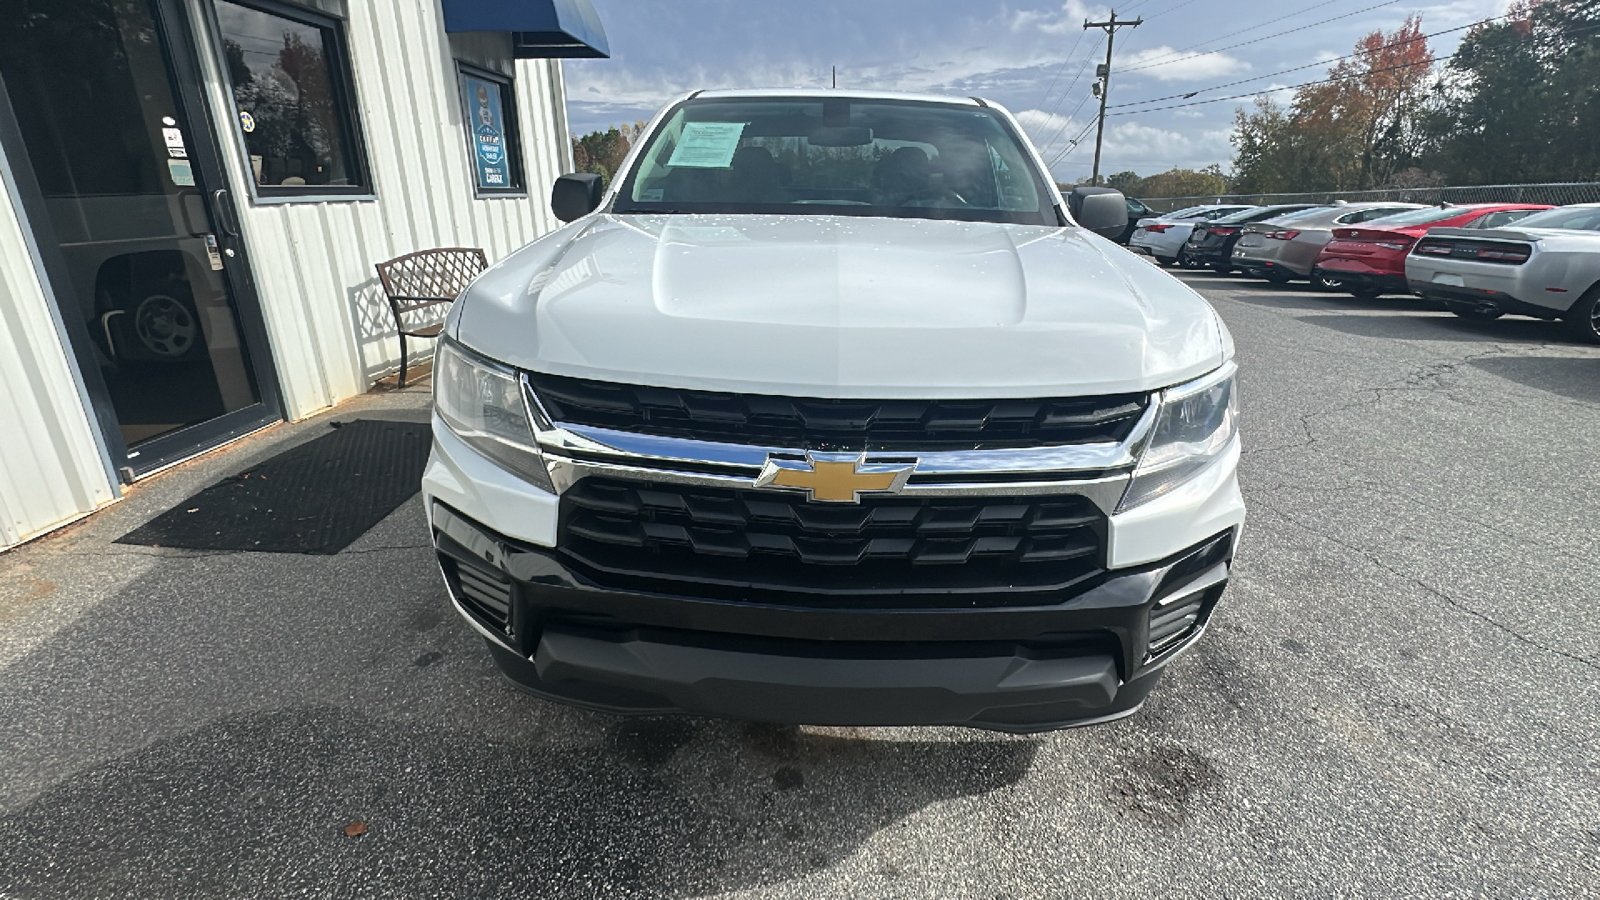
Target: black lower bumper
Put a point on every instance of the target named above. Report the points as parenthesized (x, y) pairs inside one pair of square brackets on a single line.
[(1091, 657), (1369, 282), (1475, 299)]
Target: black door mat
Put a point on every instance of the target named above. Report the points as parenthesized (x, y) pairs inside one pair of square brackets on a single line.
[(314, 498)]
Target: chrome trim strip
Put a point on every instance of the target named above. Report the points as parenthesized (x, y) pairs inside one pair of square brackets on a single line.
[(1104, 492), (1206, 580), (644, 449)]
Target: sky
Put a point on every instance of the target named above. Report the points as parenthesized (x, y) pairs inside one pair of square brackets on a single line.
[(1034, 58)]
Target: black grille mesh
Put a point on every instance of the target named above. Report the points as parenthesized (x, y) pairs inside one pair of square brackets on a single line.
[(813, 423), (757, 544)]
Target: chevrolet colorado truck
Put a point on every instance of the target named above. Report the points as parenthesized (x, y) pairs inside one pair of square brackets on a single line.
[(832, 410)]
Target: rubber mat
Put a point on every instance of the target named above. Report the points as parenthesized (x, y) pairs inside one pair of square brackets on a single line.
[(315, 498)]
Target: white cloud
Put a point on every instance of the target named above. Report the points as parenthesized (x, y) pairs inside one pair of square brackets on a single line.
[(1068, 20), (1166, 64)]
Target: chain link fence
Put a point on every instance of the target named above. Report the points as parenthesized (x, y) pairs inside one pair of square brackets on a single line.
[(1559, 194)]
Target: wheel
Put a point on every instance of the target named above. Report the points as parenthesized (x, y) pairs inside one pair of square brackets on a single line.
[(1167, 260), (1275, 276), (1222, 268), (1366, 294), (1583, 320), (165, 326), (1324, 282), (1186, 261)]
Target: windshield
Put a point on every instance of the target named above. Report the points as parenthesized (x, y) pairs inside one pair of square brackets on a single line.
[(1304, 214), (803, 155), (1581, 218), (1424, 216)]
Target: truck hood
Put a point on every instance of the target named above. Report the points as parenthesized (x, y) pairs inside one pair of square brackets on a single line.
[(840, 307)]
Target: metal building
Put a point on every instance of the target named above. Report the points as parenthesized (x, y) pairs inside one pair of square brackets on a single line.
[(193, 194)]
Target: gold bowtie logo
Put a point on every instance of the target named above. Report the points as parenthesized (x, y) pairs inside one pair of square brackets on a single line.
[(841, 480)]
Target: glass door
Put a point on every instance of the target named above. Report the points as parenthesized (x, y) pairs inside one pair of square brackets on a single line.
[(139, 230)]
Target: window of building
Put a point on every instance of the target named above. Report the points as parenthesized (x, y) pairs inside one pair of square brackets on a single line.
[(289, 69), (495, 147)]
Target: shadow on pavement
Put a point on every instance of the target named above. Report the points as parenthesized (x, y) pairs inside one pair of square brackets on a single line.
[(1305, 298), (1444, 328), (259, 805), (1575, 378), (212, 729)]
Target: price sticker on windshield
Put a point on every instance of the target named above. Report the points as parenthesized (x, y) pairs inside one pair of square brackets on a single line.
[(707, 145)]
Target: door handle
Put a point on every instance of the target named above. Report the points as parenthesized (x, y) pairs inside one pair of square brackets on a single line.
[(227, 216)]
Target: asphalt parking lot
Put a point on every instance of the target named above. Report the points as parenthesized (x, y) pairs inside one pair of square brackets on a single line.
[(1401, 694)]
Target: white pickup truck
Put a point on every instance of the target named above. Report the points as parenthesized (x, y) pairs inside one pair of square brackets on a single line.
[(832, 410)]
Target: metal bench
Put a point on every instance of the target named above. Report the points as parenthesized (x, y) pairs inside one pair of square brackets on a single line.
[(423, 279)]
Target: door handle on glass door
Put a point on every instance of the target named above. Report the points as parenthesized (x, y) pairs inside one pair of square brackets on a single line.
[(227, 216)]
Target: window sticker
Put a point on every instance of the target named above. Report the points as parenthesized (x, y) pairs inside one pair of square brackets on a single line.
[(182, 173), (707, 145)]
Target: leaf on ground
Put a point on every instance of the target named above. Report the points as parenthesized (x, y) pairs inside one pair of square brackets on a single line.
[(355, 829)]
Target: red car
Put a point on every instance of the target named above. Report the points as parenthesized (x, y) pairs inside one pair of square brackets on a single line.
[(1371, 260)]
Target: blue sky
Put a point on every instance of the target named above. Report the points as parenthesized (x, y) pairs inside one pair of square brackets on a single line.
[(1011, 53)]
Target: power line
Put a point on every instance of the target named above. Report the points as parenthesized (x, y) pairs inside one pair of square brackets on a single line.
[(1298, 12), (1068, 92), (1265, 37), (1288, 87), (1217, 87)]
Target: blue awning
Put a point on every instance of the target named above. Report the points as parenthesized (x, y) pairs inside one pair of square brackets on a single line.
[(564, 29)]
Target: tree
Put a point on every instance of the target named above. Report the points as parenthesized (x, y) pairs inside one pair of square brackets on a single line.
[(1519, 100), (1352, 131), (602, 152)]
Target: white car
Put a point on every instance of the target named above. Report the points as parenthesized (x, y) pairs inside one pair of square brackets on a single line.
[(1164, 236), (1545, 265), (831, 410)]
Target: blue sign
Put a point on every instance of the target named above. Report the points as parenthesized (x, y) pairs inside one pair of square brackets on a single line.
[(486, 119)]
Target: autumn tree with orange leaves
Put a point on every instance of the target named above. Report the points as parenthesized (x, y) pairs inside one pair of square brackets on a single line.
[(1354, 130)]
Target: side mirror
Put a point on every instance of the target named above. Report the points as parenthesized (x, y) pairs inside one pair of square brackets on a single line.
[(575, 196), (1103, 211)]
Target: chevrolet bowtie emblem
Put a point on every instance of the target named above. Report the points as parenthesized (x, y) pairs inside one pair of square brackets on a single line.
[(835, 478)]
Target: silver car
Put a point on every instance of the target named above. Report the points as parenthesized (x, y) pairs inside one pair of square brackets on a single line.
[(1286, 248), (1546, 265)]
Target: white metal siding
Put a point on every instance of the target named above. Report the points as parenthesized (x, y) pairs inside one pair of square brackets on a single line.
[(331, 332), (330, 329), (51, 468)]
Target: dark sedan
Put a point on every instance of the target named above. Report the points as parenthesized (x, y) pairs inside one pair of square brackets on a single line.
[(1211, 243)]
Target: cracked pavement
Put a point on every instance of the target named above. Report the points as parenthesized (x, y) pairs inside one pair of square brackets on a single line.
[(1399, 696)]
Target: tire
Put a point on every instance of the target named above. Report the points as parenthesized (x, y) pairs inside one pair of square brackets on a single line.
[(1583, 320), (1275, 277), (154, 327), (1186, 261), (1476, 314), (1366, 294), (1221, 269), (1167, 260)]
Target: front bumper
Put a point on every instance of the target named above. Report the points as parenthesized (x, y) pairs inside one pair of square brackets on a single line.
[(1091, 657)]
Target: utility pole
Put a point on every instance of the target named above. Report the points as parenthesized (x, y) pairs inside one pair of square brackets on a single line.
[(1102, 85)]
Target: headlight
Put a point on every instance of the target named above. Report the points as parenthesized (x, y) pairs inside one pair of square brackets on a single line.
[(482, 403), (1194, 425)]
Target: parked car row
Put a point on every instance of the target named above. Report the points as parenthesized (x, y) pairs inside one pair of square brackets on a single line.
[(1481, 260)]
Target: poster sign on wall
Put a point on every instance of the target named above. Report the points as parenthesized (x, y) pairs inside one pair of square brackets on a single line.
[(491, 144)]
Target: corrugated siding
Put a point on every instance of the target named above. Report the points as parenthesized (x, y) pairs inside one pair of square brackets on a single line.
[(51, 470), (330, 328)]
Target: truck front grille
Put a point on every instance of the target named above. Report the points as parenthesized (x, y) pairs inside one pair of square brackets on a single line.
[(773, 546), (823, 424)]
